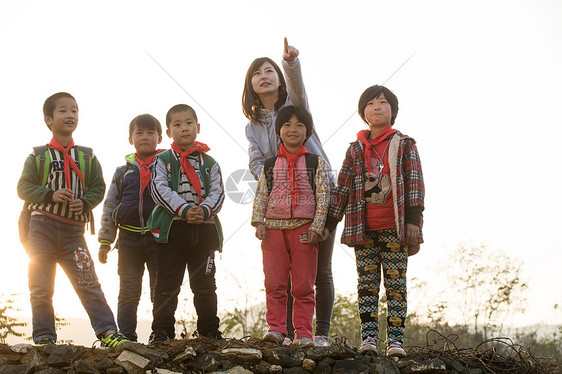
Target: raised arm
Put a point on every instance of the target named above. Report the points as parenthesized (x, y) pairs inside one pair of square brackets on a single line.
[(293, 76)]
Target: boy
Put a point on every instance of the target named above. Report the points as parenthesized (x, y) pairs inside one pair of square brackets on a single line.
[(381, 191), (127, 206), (187, 188), (61, 193), (289, 214)]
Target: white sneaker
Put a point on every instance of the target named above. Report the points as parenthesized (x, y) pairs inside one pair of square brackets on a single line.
[(322, 341), (394, 349), (369, 345)]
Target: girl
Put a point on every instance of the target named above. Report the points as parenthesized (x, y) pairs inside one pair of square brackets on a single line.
[(289, 215), (265, 93), (380, 188)]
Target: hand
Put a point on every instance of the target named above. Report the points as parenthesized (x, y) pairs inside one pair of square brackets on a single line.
[(412, 233), (290, 52), (313, 238), (260, 231), (76, 206), (102, 253), (64, 195), (325, 234), (195, 215)]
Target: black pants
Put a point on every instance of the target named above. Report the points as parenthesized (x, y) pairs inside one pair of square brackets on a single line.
[(188, 245)]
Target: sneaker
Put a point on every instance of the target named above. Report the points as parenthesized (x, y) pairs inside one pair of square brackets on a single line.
[(287, 341), (322, 341), (303, 342), (217, 335), (274, 337), (394, 349), (369, 345), (157, 337), (113, 340), (45, 341)]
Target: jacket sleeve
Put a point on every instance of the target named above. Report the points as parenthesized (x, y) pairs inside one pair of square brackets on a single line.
[(257, 158), (212, 204), (96, 189), (108, 230), (29, 187), (260, 201), (413, 184), (162, 194), (339, 199), (322, 195), (295, 83)]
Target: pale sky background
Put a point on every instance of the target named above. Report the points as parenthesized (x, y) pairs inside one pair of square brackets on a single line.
[(480, 92)]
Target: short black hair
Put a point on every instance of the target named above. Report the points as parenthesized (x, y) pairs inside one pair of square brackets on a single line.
[(285, 114), (179, 108), (49, 105), (145, 121), (374, 92)]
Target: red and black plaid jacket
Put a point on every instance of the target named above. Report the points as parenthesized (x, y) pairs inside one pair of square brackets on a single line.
[(349, 198)]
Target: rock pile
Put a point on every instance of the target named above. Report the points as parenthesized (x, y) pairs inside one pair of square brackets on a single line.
[(203, 355)]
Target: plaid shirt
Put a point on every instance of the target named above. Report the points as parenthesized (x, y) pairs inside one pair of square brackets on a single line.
[(349, 198)]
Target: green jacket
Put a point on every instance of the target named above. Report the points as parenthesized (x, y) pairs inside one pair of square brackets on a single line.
[(169, 204)]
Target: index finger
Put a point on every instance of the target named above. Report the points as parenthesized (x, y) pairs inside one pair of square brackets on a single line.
[(286, 50)]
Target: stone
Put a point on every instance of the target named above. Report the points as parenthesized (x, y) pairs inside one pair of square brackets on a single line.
[(133, 362), (243, 355), (323, 368), (350, 367), (453, 364), (309, 365), (10, 358), (104, 364), (21, 348), (140, 349), (84, 367), (5, 348), (115, 370), (188, 354), (434, 366), (274, 369), (161, 371), (16, 369), (235, 370), (295, 370), (338, 352), (62, 355), (286, 358), (50, 371), (208, 362)]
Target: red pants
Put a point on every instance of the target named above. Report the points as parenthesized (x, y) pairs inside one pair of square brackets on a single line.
[(284, 254)]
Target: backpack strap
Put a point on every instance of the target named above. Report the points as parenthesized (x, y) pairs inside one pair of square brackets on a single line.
[(41, 154), (85, 155)]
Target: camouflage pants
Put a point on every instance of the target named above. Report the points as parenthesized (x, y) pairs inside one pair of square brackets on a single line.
[(382, 250)]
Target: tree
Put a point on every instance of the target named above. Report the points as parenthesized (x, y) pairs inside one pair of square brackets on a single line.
[(8, 323), (486, 286)]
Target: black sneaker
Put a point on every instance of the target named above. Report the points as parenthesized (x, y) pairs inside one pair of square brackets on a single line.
[(45, 341), (158, 337), (217, 335)]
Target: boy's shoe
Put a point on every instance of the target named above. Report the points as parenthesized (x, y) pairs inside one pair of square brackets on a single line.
[(394, 349), (322, 341), (274, 337), (369, 345), (157, 337), (45, 341), (113, 339), (287, 341), (217, 335), (303, 342)]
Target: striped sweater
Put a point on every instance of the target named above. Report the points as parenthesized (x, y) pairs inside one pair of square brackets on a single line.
[(41, 197)]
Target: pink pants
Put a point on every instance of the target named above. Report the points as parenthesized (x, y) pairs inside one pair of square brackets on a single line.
[(284, 254)]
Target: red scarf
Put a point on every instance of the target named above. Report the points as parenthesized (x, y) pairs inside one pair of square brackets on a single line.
[(144, 171), (187, 167), (68, 161), (363, 136), (292, 158)]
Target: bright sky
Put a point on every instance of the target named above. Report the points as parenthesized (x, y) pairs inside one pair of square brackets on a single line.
[(479, 85)]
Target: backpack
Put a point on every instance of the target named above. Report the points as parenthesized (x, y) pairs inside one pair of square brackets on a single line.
[(311, 161), (43, 161)]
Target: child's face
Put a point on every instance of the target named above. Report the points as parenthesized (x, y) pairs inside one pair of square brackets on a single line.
[(145, 141), (183, 129), (293, 134), (265, 80), (65, 117), (378, 112)]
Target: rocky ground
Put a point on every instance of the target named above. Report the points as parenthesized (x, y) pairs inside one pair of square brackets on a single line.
[(252, 355)]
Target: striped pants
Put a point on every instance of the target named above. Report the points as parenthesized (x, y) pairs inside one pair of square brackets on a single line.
[(382, 250)]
